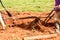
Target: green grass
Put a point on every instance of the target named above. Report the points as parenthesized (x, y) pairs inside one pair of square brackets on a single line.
[(28, 5)]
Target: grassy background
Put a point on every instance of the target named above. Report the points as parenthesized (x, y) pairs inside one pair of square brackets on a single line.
[(28, 5)]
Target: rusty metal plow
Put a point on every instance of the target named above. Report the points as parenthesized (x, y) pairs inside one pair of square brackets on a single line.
[(37, 20)]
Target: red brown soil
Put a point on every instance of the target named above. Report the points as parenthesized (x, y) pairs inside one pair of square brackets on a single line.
[(20, 31)]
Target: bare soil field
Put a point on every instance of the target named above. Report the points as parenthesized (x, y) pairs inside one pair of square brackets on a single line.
[(18, 29)]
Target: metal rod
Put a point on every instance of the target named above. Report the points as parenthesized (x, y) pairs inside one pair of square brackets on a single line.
[(49, 15), (5, 9)]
